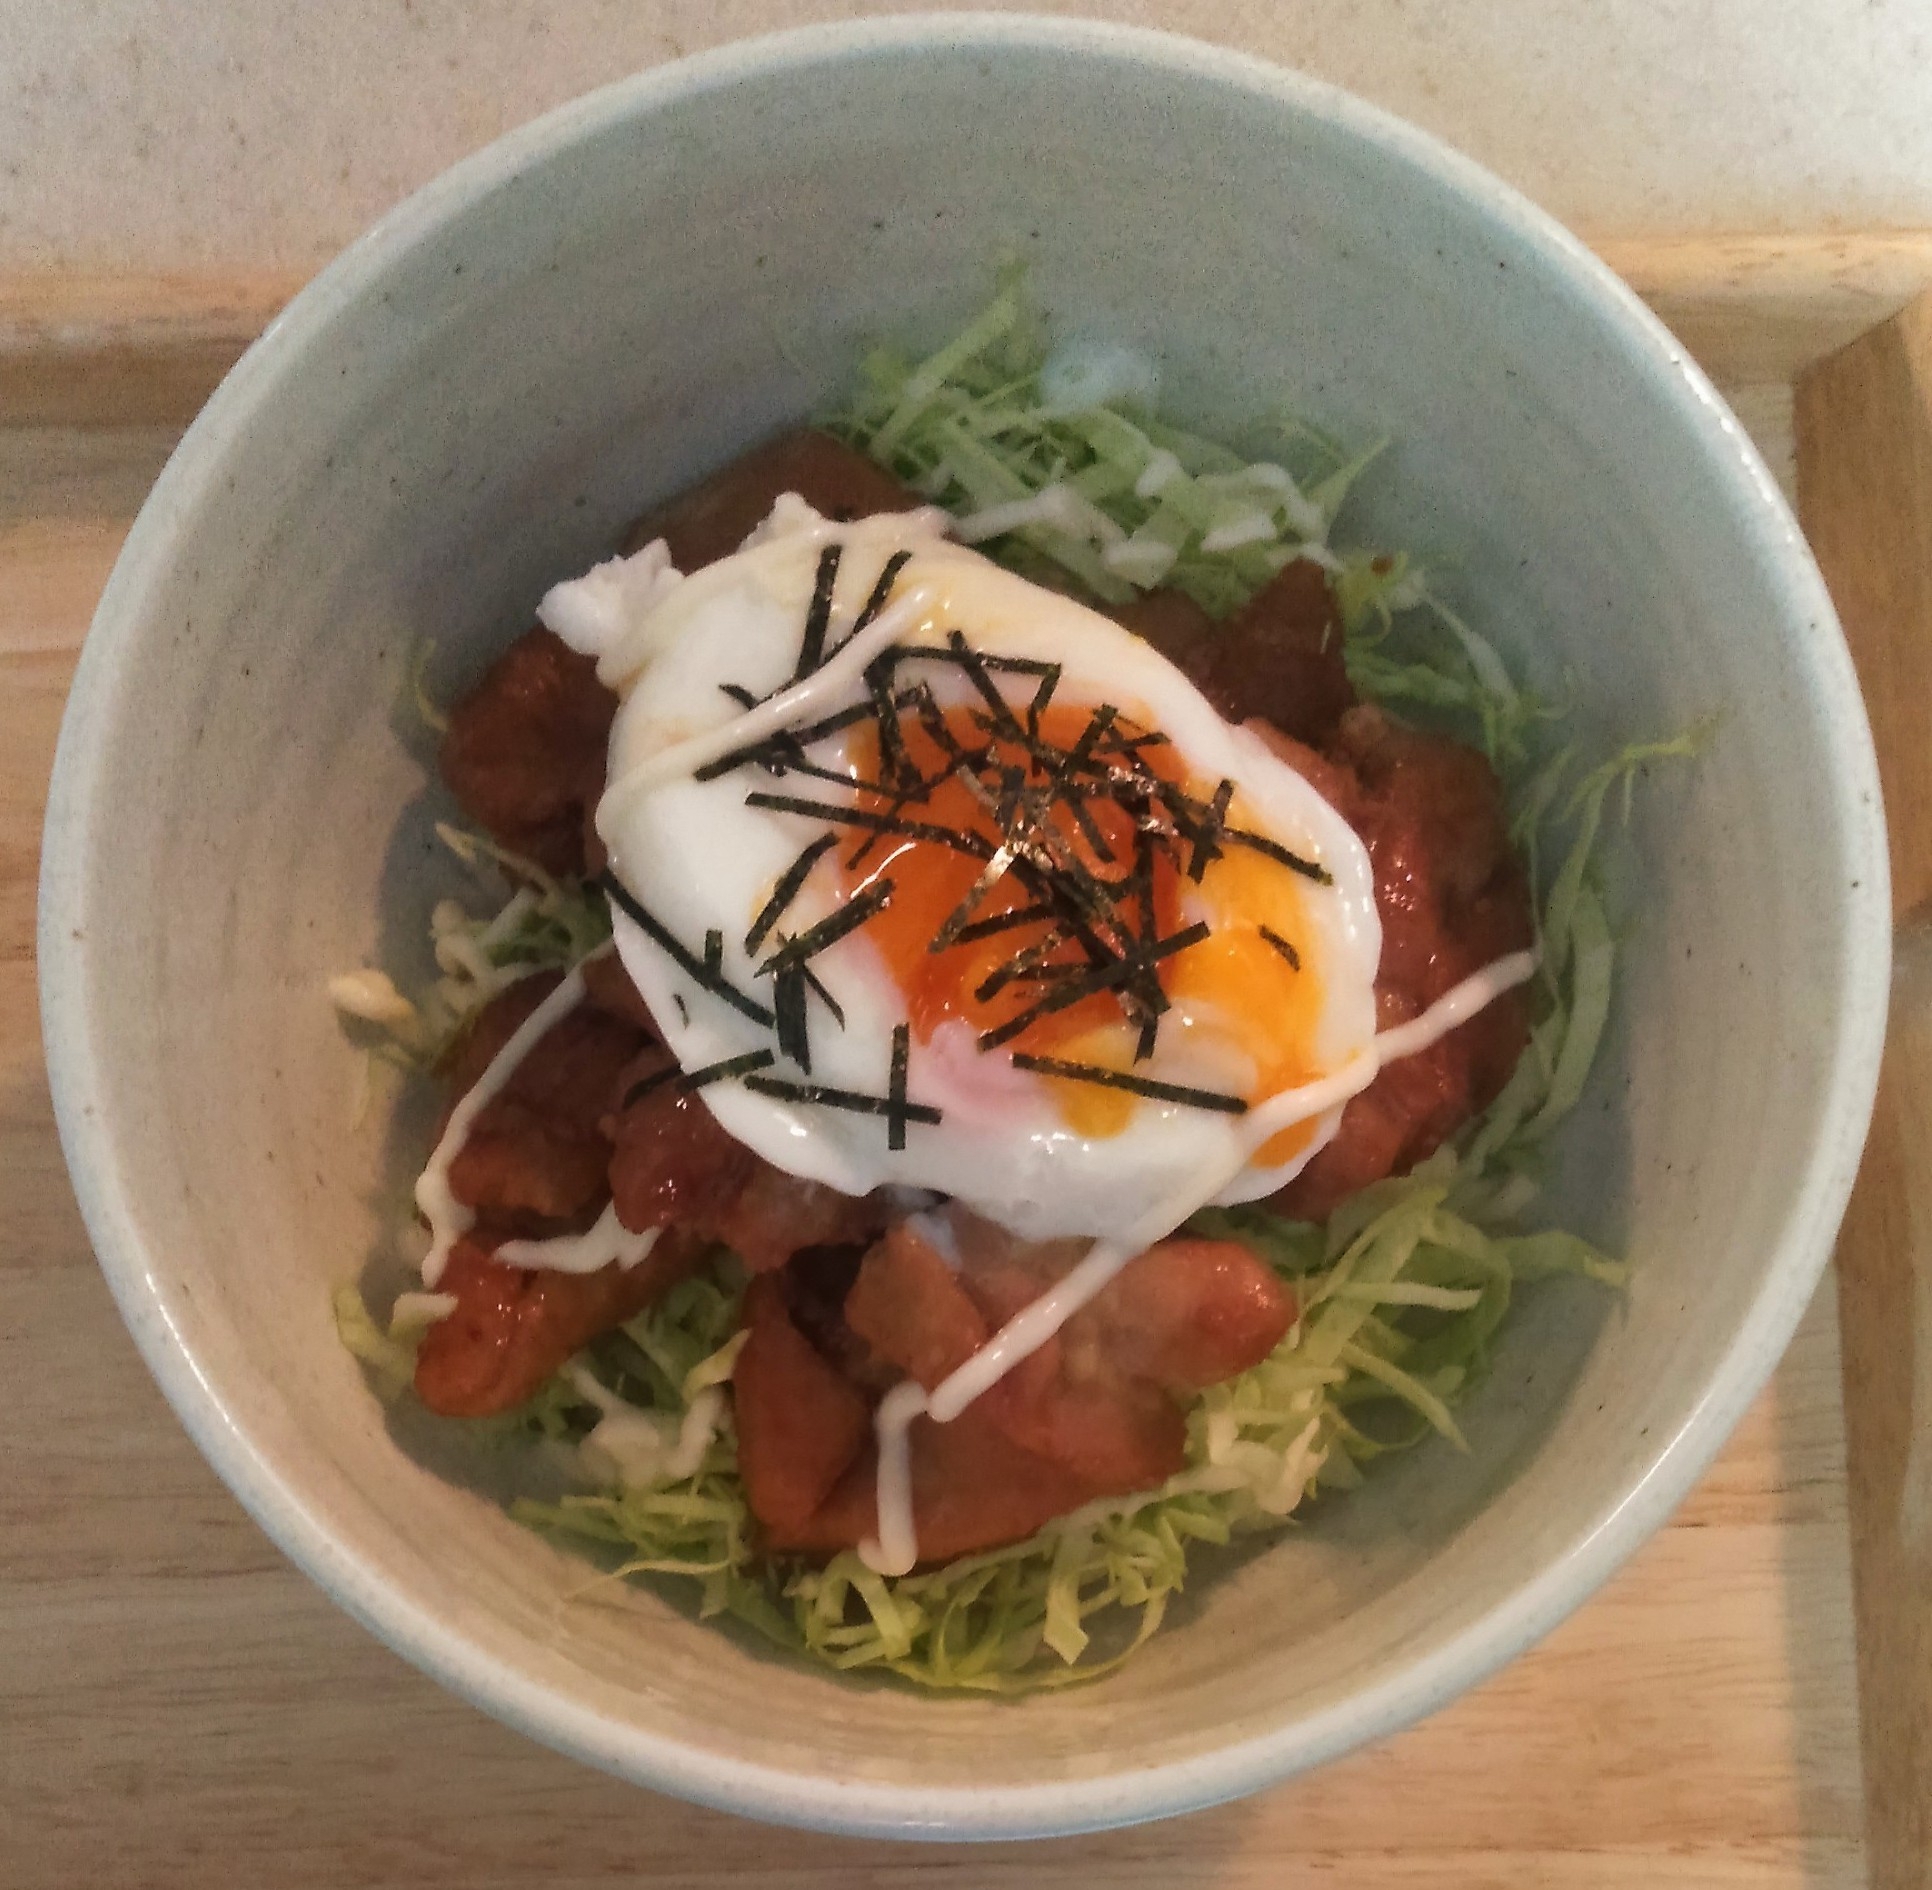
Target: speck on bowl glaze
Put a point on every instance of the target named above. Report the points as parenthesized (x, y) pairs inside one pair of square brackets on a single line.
[(472, 400)]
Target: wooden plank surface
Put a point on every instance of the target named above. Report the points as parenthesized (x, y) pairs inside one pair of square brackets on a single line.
[(1864, 465), (90, 350), (179, 1707), (1760, 309)]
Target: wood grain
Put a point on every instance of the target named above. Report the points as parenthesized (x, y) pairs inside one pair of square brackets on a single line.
[(1756, 308), (88, 350), (1864, 462), (179, 1707), (79, 350), (1864, 429)]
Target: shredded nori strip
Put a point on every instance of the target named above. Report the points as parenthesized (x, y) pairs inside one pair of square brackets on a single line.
[(895, 765), (1036, 914), (1282, 946), (1260, 843), (881, 591), (680, 955), (901, 800), (812, 656), (1127, 744), (1185, 812), (695, 1079), (996, 867), (1032, 964), (790, 882), (779, 749), (1142, 879), (933, 720), (1044, 849), (961, 915), (726, 1069), (817, 988), (1089, 907), (1061, 777), (896, 1086), (1076, 756), (910, 787), (818, 614), (960, 842), (829, 930), (1089, 831), (783, 759), (957, 652), (1084, 984), (645, 1084), (975, 666), (1136, 1085), (1049, 682), (788, 1001), (1212, 824), (841, 719), (714, 954), (854, 1100)]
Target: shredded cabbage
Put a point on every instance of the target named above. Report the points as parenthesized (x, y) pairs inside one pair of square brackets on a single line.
[(1399, 1295), (388, 1355), (544, 924), (1142, 503)]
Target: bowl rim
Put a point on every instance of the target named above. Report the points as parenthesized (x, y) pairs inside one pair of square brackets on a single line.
[(79, 1066)]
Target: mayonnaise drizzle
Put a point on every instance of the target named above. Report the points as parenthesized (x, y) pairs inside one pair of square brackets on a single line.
[(895, 1548), (1455, 1006), (606, 1240), (449, 1219)]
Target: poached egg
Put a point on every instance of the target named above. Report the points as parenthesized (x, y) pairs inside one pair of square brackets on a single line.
[(989, 903)]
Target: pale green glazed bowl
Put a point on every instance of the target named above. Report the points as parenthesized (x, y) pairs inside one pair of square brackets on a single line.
[(469, 404)]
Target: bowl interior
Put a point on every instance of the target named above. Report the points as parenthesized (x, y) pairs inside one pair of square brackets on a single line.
[(476, 400)]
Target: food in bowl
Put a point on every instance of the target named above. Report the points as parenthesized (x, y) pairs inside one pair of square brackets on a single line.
[(995, 1068)]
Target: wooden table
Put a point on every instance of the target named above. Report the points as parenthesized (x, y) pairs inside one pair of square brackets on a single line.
[(179, 1706)]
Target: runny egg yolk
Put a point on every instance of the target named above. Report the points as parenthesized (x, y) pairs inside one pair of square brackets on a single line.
[(1236, 995)]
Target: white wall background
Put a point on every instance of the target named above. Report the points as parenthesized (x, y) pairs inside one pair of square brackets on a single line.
[(218, 133)]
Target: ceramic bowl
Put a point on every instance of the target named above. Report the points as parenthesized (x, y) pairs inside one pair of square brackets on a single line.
[(475, 398)]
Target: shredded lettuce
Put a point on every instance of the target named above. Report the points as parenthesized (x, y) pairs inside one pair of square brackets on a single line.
[(1399, 1295)]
